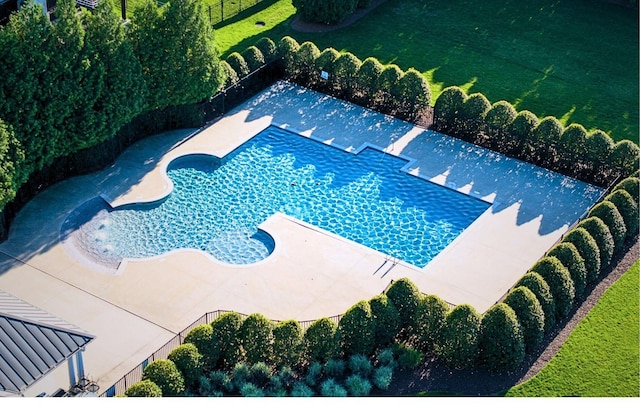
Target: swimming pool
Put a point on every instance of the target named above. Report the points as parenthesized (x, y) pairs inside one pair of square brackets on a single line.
[(217, 204)]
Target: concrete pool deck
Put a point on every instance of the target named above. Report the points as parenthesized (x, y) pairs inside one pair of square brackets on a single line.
[(311, 273)]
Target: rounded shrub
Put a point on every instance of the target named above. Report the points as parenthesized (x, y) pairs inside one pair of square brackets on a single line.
[(145, 388), (632, 186), (260, 374), (345, 69), (414, 89), (570, 258), (588, 249), (409, 358), (599, 146), (319, 342), (360, 365), (501, 114), (559, 280), (331, 388), (382, 377), (166, 375), (324, 11), (220, 382), (501, 341), (530, 315), (405, 295), (326, 59), (449, 104), (356, 330), (226, 328), (475, 107), (367, 76), (251, 390), (287, 343), (253, 57), (522, 127), (385, 357), (548, 130), (287, 48), (313, 374), (574, 141), (305, 59), (458, 346), (611, 217), (431, 313), (625, 156), (386, 320), (202, 338), (256, 338), (300, 389), (334, 368), (268, 48), (189, 361), (390, 78), (603, 238), (628, 209), (358, 386), (536, 284), (230, 74), (238, 63)]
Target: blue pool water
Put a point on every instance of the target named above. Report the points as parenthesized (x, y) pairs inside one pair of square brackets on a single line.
[(217, 204)]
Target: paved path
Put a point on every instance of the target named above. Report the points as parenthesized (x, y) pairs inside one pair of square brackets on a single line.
[(311, 273)]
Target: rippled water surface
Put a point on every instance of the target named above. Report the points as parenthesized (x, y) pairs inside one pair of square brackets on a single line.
[(217, 204)]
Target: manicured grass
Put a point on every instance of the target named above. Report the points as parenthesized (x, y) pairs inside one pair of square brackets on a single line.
[(576, 60), (601, 357)]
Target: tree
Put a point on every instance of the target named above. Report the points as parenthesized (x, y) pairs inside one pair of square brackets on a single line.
[(166, 375), (319, 342), (386, 320), (189, 361), (287, 343), (356, 330), (501, 342), (256, 338), (458, 344), (530, 315), (11, 156), (405, 295), (431, 313), (225, 337), (175, 46)]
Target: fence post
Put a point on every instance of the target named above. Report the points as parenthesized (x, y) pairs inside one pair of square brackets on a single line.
[(221, 10)]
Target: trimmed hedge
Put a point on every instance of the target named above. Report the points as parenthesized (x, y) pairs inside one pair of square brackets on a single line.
[(449, 104), (256, 338), (202, 338), (501, 114), (588, 249), (226, 338), (238, 64), (268, 48), (625, 155), (405, 295), (530, 315), (539, 287), (145, 388), (253, 57), (287, 343), (319, 342), (356, 330), (501, 342), (611, 217), (166, 375), (386, 320), (287, 48), (628, 209), (189, 361), (602, 236), (632, 186), (430, 316), (559, 280), (570, 258), (458, 345)]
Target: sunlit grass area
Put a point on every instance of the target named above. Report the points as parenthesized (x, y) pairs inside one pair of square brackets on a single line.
[(601, 357), (577, 61)]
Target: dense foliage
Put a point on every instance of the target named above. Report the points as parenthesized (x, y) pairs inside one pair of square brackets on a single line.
[(529, 313), (356, 330), (458, 345), (189, 361), (560, 283), (570, 258), (501, 342), (325, 11), (144, 388), (166, 375)]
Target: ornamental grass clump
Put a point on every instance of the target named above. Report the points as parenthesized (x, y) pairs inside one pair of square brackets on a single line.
[(358, 386), (331, 388), (360, 365), (382, 377)]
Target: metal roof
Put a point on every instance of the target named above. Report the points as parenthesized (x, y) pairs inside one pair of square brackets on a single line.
[(33, 342)]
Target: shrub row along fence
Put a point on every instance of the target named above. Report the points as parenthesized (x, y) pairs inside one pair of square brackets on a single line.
[(135, 375)]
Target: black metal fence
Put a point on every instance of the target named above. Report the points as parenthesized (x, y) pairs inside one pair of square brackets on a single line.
[(135, 375), (222, 10)]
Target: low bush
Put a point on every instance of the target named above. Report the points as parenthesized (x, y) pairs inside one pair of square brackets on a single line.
[(632, 186), (628, 209), (458, 345), (501, 114), (386, 320), (600, 233), (559, 280), (539, 287), (226, 338), (408, 357), (238, 64), (331, 388), (189, 361), (319, 342), (166, 375), (358, 386), (530, 315), (145, 388), (405, 295), (625, 156), (253, 57), (251, 390), (335, 368), (385, 357), (382, 377), (360, 365), (239, 375), (356, 330), (260, 374), (256, 338), (570, 258), (588, 249), (501, 342), (430, 315), (302, 390), (221, 382), (287, 343), (314, 374), (611, 217), (268, 48), (202, 338)]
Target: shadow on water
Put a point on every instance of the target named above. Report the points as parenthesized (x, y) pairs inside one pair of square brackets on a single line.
[(557, 201)]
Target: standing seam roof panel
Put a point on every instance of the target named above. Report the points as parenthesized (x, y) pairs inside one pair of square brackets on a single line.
[(14, 354), (43, 340), (42, 361)]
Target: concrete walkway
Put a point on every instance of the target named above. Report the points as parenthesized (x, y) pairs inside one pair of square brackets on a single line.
[(311, 273)]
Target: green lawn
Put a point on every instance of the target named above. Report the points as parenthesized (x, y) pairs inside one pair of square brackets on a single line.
[(576, 60), (601, 357)]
